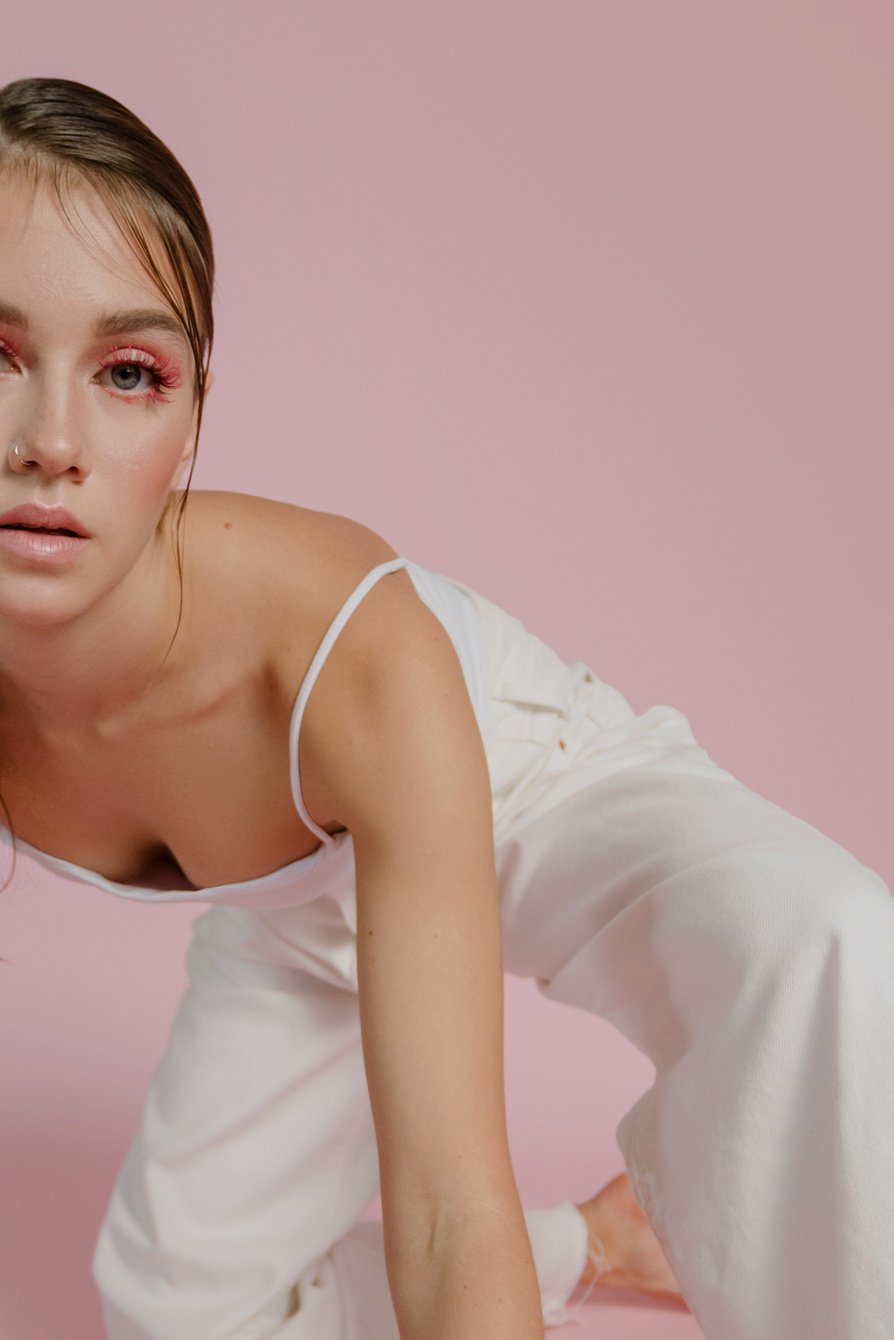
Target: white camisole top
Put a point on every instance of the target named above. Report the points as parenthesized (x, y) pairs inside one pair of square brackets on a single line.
[(330, 864)]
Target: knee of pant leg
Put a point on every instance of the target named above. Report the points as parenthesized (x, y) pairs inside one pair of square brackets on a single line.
[(853, 914), (769, 906), (827, 896)]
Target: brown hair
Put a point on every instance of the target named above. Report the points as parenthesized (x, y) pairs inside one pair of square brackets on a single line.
[(63, 131)]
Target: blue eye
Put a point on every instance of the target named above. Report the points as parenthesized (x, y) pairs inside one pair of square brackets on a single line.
[(126, 376), (137, 374)]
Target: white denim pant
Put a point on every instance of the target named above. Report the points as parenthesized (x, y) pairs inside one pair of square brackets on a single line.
[(745, 952)]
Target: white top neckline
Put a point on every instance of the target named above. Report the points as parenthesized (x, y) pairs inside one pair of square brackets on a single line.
[(283, 873)]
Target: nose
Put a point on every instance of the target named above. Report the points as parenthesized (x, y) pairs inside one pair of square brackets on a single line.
[(48, 441)]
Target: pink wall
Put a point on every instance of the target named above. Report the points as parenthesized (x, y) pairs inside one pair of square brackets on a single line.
[(586, 304)]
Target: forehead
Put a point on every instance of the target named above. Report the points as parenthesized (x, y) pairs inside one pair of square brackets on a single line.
[(68, 257)]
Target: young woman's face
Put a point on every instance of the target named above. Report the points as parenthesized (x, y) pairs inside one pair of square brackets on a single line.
[(97, 409)]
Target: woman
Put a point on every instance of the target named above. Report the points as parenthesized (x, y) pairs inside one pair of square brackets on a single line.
[(387, 791)]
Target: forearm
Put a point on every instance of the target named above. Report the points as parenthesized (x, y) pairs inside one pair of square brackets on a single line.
[(477, 1280)]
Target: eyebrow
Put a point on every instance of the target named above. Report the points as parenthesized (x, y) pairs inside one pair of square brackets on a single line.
[(140, 318), (12, 316), (114, 323)]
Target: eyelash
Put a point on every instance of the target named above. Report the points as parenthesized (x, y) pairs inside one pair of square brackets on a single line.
[(165, 376), (8, 351)]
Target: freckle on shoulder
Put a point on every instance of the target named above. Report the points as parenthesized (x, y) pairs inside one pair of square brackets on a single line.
[(329, 541)]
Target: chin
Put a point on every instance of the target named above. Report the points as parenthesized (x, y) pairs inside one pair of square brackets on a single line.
[(31, 602), (36, 597)]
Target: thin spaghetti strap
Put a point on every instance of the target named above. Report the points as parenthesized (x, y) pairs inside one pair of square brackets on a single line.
[(316, 665)]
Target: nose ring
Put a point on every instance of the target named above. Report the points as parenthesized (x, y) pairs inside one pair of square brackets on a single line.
[(15, 450)]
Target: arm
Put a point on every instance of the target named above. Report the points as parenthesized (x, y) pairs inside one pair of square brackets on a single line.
[(397, 757)]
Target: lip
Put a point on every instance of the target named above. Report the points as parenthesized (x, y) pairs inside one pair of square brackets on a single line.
[(53, 518), (37, 546)]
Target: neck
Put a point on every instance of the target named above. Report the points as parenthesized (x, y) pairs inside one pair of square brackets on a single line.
[(89, 674)]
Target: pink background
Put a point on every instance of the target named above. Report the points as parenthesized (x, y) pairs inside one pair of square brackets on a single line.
[(586, 304)]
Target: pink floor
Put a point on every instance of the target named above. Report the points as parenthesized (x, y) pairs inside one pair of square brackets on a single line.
[(624, 1316)]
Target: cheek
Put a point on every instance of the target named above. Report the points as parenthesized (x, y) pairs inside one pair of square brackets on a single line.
[(144, 459)]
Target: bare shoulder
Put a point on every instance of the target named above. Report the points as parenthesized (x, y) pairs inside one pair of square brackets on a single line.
[(275, 529), (284, 571), (279, 572), (290, 561)]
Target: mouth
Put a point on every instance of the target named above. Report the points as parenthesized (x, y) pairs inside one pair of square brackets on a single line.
[(44, 530), (39, 518)]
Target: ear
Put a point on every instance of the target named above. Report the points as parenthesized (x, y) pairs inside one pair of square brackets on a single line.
[(178, 473), (185, 458), (189, 446)]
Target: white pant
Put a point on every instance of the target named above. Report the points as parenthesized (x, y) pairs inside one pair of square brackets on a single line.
[(746, 953)]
